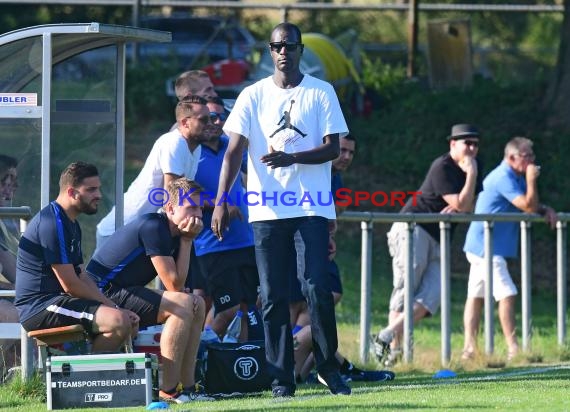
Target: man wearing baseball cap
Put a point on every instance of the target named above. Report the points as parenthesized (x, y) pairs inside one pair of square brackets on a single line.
[(450, 185)]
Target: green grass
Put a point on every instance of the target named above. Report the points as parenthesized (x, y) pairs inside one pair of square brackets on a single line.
[(538, 380), (525, 389)]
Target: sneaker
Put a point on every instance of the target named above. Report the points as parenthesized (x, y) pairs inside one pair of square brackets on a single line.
[(283, 391), (381, 348), (197, 393), (335, 383), (176, 397), (372, 376), (393, 357), (312, 378)]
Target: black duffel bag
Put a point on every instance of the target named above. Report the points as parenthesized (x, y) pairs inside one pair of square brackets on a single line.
[(236, 367)]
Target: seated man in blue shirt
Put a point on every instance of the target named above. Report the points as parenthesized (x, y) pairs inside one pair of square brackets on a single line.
[(158, 244), (510, 188), (52, 289)]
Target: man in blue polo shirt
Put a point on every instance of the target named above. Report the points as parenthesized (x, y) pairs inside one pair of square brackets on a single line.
[(510, 188), (52, 289), (158, 244), (229, 265)]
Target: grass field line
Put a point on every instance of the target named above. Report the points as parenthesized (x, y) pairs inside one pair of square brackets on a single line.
[(385, 386), (451, 381)]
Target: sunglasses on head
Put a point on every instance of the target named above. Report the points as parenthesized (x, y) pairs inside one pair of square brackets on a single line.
[(214, 116), (290, 47)]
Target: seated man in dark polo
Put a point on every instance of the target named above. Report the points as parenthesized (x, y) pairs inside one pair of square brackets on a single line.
[(52, 289), (158, 244)]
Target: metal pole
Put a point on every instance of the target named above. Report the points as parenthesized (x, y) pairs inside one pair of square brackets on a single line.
[(488, 242), (120, 142), (409, 295), (561, 273), (444, 246), (46, 120), (26, 344), (365, 288), (525, 285)]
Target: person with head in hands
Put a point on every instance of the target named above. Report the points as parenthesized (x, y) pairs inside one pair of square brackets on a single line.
[(158, 244)]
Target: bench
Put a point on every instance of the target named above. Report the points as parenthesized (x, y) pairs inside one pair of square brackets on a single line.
[(55, 336), (46, 338)]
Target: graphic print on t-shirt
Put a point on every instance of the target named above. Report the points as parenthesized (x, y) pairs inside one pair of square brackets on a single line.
[(286, 120)]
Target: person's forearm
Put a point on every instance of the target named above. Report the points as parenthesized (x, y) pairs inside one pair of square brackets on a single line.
[(183, 263), (228, 174), (466, 198), (531, 197), (318, 155), (87, 289)]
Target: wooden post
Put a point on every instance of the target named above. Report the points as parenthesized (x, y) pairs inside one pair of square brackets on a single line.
[(412, 37)]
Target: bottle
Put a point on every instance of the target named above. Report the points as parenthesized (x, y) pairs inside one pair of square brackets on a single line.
[(254, 324), (234, 330), (209, 336)]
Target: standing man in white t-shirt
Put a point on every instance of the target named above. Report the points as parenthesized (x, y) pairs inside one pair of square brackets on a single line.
[(292, 123), (173, 155)]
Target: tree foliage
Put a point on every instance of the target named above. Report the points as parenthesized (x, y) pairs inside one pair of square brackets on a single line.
[(557, 100)]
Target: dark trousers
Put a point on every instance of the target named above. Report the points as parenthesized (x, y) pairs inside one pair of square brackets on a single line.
[(276, 258)]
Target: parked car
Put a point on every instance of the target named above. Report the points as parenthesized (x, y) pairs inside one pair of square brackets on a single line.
[(197, 41)]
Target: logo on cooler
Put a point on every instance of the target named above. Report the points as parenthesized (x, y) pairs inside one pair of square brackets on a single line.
[(246, 368)]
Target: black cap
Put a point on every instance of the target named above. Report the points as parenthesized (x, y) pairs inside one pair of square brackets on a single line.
[(461, 131)]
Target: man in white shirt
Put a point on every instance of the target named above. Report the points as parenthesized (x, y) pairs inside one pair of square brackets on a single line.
[(174, 154), (292, 123)]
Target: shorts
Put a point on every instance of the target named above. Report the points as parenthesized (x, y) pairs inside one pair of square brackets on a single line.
[(66, 311), (141, 300), (196, 278), (426, 269), (232, 277), (503, 285)]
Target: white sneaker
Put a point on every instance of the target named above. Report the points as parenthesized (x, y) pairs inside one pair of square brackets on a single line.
[(176, 397)]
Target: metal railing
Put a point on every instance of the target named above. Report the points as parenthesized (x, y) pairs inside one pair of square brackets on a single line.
[(539, 8), (10, 330), (368, 218)]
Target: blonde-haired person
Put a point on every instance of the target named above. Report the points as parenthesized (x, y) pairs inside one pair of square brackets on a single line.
[(158, 244)]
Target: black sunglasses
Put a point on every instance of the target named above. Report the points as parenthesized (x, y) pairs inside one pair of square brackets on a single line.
[(473, 143), (290, 47), (218, 116)]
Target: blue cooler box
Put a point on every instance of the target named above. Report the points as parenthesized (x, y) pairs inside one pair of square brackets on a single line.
[(101, 381)]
